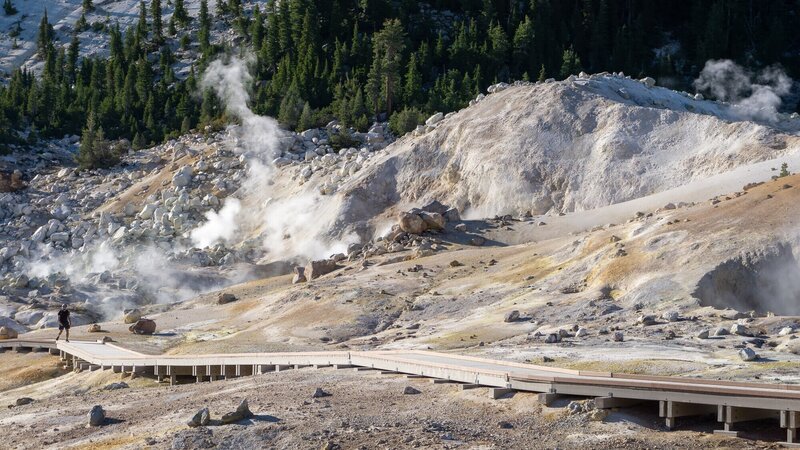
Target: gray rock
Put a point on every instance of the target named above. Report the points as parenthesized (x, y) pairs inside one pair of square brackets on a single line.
[(671, 316), (511, 316), (116, 386), (242, 412), (201, 419), (97, 416), (703, 334), (433, 220), (319, 393), (143, 326), (477, 241), (434, 119), (412, 223), (299, 275), (225, 298), (720, 331), (131, 315), (747, 354), (646, 320), (23, 401), (740, 330), (619, 336), (409, 390), (321, 267), (552, 338)]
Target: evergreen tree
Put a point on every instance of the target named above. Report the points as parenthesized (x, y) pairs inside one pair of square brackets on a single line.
[(570, 63), (158, 29), (204, 34), (95, 151), (306, 120), (413, 84), (44, 39), (9, 8), (179, 13), (389, 46), (88, 5)]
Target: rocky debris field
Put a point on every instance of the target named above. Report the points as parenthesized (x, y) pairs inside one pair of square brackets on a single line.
[(105, 240), (362, 410)]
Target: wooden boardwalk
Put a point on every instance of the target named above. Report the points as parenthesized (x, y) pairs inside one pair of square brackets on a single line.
[(731, 402)]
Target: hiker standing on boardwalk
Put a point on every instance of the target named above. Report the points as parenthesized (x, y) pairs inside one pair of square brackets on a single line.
[(64, 322)]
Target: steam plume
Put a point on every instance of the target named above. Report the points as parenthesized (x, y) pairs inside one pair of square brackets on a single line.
[(754, 95)]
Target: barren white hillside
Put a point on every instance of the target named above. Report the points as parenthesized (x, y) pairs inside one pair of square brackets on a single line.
[(564, 146)]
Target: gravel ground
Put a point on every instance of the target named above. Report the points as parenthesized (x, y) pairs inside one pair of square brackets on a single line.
[(365, 410)]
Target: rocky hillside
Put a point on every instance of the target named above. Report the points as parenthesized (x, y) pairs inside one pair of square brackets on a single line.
[(567, 146), (204, 212)]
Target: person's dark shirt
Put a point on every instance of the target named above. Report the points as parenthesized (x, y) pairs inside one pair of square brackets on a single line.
[(63, 316)]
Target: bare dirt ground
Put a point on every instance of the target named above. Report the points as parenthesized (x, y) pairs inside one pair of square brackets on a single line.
[(366, 410)]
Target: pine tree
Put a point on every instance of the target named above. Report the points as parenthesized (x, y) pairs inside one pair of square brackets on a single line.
[(95, 151), (524, 46), (9, 8), (306, 120), (88, 5), (141, 25), (373, 87), (204, 34), (389, 46), (44, 40), (542, 74), (179, 13), (570, 63), (413, 85), (158, 29)]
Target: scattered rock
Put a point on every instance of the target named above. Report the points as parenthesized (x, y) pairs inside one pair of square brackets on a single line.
[(94, 328), (143, 326), (201, 419), (97, 416), (321, 267), (747, 354), (23, 401), (552, 338), (582, 332), (703, 334), (412, 223), (721, 331), (477, 241), (671, 316), (505, 425), (785, 331), (511, 316), (409, 390), (225, 298), (319, 393), (646, 320), (455, 263), (131, 315), (740, 330), (299, 275), (619, 336), (116, 386), (242, 412), (8, 333)]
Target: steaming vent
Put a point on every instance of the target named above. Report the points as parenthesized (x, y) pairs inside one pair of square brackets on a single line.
[(768, 281)]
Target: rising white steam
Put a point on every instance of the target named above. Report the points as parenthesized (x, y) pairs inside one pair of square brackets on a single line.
[(292, 225), (258, 135), (753, 95), (219, 226)]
